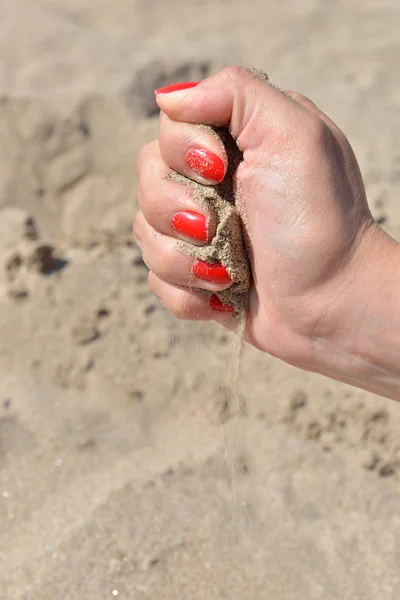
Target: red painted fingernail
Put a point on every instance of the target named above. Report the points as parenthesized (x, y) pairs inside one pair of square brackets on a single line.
[(190, 225), (216, 304), (176, 87), (215, 273), (205, 163)]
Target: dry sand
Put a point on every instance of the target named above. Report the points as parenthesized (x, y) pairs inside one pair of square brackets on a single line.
[(227, 246), (114, 479)]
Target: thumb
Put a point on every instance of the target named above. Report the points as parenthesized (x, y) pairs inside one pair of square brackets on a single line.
[(241, 99)]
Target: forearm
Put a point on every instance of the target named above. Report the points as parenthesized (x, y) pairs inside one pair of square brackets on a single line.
[(362, 347)]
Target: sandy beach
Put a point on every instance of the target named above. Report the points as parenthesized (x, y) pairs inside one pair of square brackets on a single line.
[(125, 470)]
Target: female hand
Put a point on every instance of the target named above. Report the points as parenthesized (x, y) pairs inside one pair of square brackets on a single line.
[(313, 243)]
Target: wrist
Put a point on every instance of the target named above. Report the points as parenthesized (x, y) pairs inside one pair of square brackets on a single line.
[(359, 341)]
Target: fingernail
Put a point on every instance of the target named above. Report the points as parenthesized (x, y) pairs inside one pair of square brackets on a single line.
[(206, 163), (190, 225), (176, 87), (216, 304), (215, 273)]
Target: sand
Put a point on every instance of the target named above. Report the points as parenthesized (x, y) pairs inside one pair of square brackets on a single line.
[(227, 246), (114, 467)]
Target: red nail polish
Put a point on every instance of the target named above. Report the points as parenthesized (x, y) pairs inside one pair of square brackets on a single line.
[(176, 87), (191, 225), (215, 273), (216, 304), (205, 163)]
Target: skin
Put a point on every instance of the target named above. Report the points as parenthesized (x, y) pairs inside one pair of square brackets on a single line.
[(326, 287)]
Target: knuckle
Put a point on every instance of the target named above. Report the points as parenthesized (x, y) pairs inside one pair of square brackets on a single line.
[(151, 168), (141, 159), (146, 198), (174, 298), (318, 132), (181, 308), (159, 257), (235, 73), (151, 195), (137, 222), (300, 98), (146, 159), (155, 207), (138, 234), (153, 284), (163, 265)]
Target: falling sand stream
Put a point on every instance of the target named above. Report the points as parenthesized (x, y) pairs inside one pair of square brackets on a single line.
[(227, 247)]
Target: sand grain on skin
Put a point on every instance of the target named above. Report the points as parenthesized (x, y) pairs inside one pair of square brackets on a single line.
[(227, 246)]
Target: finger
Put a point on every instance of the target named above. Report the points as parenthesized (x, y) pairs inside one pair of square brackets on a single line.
[(304, 101), (237, 98), (169, 206), (169, 262), (186, 304), (192, 151)]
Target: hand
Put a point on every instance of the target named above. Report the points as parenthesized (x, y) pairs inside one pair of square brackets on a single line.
[(302, 199)]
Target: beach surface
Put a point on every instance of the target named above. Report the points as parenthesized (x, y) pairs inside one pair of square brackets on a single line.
[(125, 469)]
